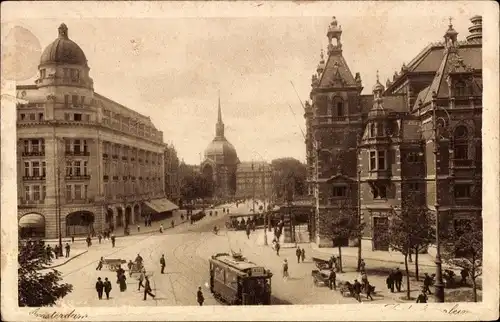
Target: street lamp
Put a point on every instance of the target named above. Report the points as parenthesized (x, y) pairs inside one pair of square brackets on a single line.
[(439, 286)]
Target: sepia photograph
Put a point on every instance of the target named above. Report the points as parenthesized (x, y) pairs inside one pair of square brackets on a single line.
[(272, 157)]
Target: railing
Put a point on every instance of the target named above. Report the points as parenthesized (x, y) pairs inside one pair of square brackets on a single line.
[(77, 177), (33, 154), (33, 178), (31, 202), (80, 201), (379, 173), (78, 153)]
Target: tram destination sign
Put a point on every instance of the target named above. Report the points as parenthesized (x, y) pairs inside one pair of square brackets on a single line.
[(258, 271)]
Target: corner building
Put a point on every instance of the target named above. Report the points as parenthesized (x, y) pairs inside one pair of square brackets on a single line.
[(371, 152), (85, 162)]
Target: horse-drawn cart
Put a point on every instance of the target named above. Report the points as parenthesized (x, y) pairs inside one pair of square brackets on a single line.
[(320, 277), (321, 264), (113, 264)]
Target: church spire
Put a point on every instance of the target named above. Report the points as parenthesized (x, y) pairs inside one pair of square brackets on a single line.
[(219, 127)]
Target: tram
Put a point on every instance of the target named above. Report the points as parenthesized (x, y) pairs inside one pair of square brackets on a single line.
[(236, 281)]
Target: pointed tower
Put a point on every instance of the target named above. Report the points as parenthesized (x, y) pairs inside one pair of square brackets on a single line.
[(335, 123), (219, 126)]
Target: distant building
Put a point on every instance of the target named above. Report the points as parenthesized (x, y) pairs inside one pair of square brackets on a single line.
[(172, 176), (82, 158), (220, 162), (386, 140), (254, 179)]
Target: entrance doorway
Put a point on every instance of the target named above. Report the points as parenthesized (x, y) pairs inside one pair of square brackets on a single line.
[(80, 223), (380, 227)]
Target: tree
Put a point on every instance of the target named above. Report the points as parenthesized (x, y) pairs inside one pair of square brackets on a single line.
[(343, 226), (286, 170), (38, 285), (464, 248)]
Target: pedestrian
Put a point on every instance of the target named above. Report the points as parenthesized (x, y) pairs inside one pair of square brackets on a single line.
[(162, 263), (357, 290), (390, 281), (141, 279), (130, 265), (138, 228), (173, 224), (113, 239), (107, 287), (56, 251), (278, 248), (285, 269), (99, 265), (303, 254), (182, 217), (99, 286), (362, 265), (427, 283), (161, 228), (464, 273), (68, 248), (368, 290), (364, 279), (199, 296), (398, 279), (72, 238), (147, 289), (332, 277), (89, 241), (422, 297), (122, 281), (99, 237), (298, 253)]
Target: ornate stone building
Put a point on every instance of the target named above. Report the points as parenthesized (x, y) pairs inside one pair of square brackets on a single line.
[(85, 162), (370, 152), (220, 162), (172, 176)]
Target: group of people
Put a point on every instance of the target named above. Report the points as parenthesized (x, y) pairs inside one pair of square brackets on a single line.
[(301, 254), (395, 280), (56, 251)]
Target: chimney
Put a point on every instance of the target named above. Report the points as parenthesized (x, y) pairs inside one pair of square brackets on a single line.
[(476, 30)]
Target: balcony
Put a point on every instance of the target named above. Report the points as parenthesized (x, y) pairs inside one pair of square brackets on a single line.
[(379, 174), (80, 201), (77, 177), (78, 153), (33, 154), (462, 163), (33, 178), (30, 203)]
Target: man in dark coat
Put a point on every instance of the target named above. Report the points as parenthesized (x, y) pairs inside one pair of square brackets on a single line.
[(427, 283), (422, 297), (398, 279), (357, 290), (99, 237), (99, 265), (390, 281), (89, 241), (147, 289), (99, 286), (278, 248), (332, 279), (122, 281), (199, 296), (162, 263), (68, 248), (107, 287), (113, 239), (298, 253)]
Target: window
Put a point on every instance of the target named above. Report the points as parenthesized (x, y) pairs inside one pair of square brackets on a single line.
[(413, 186), (42, 73), (86, 117), (373, 160), (381, 160), (40, 116), (36, 168), (76, 167), (67, 117), (26, 169), (340, 109), (372, 130), (23, 116), (85, 147), (66, 72), (76, 146), (43, 169), (36, 193), (461, 149), (67, 145), (461, 89), (85, 168), (44, 192), (85, 191), (339, 192), (77, 117), (66, 101), (78, 192), (68, 192), (382, 191), (82, 100), (34, 146), (412, 157), (32, 117), (42, 145), (380, 129), (69, 169), (27, 194), (462, 191), (74, 100), (74, 74), (26, 146)]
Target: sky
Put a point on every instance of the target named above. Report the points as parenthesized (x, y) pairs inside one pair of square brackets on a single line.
[(172, 68)]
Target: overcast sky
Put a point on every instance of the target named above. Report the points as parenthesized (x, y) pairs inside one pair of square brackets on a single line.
[(171, 68)]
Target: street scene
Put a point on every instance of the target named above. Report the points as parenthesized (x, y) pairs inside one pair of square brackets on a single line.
[(257, 184)]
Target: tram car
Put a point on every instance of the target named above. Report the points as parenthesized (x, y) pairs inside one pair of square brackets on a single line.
[(236, 281)]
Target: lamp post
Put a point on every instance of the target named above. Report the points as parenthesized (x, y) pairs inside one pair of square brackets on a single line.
[(439, 286), (57, 174)]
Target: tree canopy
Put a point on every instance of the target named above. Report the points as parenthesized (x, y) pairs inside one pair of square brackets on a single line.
[(38, 285), (289, 178)]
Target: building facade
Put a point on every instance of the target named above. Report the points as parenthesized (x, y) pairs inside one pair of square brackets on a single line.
[(418, 137), (220, 162), (254, 179), (85, 162), (172, 176)]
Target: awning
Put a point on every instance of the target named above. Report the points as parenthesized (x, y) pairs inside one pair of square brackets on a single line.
[(161, 205), (32, 221)]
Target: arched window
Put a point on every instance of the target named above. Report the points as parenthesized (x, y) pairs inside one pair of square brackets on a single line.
[(337, 107), (371, 127), (461, 149)]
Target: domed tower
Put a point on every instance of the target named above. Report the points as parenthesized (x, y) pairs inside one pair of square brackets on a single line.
[(64, 75), (220, 161)]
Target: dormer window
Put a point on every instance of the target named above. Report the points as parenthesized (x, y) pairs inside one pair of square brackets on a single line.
[(371, 130), (75, 74), (380, 129), (378, 160), (461, 89)]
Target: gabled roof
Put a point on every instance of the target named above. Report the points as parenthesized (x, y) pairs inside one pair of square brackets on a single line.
[(391, 103), (336, 70)]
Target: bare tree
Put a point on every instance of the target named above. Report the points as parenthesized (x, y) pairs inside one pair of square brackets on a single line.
[(464, 248)]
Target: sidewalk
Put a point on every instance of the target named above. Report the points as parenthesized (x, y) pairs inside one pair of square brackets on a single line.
[(63, 260)]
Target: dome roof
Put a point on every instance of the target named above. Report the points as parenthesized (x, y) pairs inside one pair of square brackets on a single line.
[(220, 147), (63, 51)]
